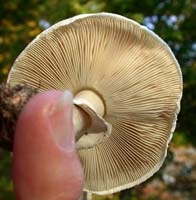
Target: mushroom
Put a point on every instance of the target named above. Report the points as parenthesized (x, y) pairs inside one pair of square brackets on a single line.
[(127, 88)]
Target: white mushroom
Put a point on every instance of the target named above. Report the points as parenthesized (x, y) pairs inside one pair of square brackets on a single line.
[(127, 86)]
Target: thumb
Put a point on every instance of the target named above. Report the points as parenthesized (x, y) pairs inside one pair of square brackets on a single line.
[(45, 163)]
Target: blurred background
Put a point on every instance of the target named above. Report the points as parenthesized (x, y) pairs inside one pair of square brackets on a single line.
[(172, 20)]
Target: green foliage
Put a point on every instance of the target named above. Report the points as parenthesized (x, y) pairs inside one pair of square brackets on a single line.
[(180, 139), (6, 187), (187, 117)]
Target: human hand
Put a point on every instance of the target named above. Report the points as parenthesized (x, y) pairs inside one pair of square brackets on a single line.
[(45, 163)]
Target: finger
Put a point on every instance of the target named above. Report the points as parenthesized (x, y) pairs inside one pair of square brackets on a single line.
[(45, 163)]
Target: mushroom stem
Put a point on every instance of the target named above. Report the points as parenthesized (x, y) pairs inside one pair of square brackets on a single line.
[(81, 121), (91, 128), (87, 114), (91, 99)]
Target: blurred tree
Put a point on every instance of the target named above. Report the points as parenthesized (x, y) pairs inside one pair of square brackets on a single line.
[(173, 20)]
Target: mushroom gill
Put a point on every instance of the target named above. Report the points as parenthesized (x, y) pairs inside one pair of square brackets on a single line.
[(137, 78)]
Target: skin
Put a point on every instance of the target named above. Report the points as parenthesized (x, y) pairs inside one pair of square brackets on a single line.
[(45, 163)]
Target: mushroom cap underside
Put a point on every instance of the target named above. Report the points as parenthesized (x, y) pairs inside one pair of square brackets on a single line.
[(136, 75)]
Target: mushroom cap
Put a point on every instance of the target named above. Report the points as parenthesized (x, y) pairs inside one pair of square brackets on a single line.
[(138, 78)]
